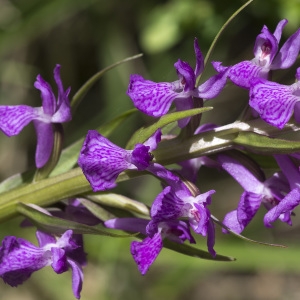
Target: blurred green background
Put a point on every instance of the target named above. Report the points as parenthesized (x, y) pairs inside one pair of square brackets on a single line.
[(86, 36)]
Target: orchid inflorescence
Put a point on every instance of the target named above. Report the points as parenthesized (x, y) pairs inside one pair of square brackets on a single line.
[(180, 209)]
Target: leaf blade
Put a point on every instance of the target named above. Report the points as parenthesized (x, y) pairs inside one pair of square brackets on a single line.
[(144, 133)]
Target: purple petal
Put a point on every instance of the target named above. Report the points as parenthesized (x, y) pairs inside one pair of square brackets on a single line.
[(102, 161), (59, 260), (59, 84), (163, 173), (205, 198), (19, 259), (153, 140), (144, 253), (205, 127), (288, 52), (128, 224), (241, 174), (286, 205), (49, 101), (195, 209), (248, 207), (274, 102), (178, 231), (278, 31), (45, 141), (191, 167), (211, 238), (66, 241), (44, 238), (265, 49), (151, 98), (231, 221), (141, 157), (289, 170), (213, 86), (77, 278), (184, 104), (63, 113), (186, 75), (297, 112), (76, 250), (241, 73), (297, 74), (277, 183), (14, 118), (199, 218), (79, 213), (166, 206), (199, 59)]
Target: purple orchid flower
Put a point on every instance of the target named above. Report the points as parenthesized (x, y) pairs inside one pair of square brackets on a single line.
[(266, 56), (155, 99), (285, 207), (102, 161), (144, 253), (19, 258), (274, 102), (256, 191), (14, 118), (177, 201)]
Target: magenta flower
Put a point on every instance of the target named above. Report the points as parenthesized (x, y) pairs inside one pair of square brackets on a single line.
[(266, 56), (155, 99), (274, 102), (14, 118), (144, 253), (19, 258), (102, 161)]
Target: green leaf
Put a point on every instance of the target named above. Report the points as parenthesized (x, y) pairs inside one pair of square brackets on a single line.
[(265, 145), (56, 225), (96, 210), (16, 180), (120, 201), (77, 98), (195, 252), (144, 133), (69, 156)]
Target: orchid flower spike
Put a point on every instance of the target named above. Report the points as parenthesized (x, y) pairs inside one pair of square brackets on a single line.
[(155, 99), (14, 118), (266, 56)]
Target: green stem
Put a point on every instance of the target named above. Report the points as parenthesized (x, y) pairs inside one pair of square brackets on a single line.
[(73, 183), (44, 192), (48, 191)]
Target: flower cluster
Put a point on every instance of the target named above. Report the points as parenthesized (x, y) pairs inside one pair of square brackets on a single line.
[(180, 209)]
